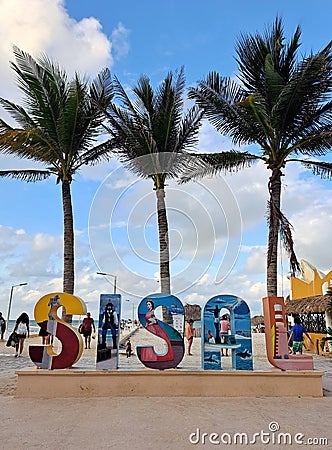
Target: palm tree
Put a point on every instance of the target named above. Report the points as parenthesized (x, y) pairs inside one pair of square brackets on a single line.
[(58, 127), (150, 134), (283, 104)]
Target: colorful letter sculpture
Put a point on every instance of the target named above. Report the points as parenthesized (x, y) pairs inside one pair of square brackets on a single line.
[(175, 346), (71, 342), (238, 339), (276, 338), (108, 331), (216, 335)]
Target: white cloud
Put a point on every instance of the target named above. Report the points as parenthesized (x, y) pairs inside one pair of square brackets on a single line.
[(256, 262), (258, 290), (210, 140), (205, 279), (29, 256), (311, 236), (307, 203), (194, 298), (44, 26), (238, 284), (95, 173), (120, 41)]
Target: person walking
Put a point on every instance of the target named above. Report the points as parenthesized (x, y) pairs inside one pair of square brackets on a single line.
[(87, 325), (128, 349), (2, 326), (225, 326), (22, 330), (189, 335), (296, 334)]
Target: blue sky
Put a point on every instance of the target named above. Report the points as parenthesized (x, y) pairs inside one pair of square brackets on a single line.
[(207, 243)]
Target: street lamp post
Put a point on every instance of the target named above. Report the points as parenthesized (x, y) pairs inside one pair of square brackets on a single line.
[(111, 275), (132, 311), (11, 299)]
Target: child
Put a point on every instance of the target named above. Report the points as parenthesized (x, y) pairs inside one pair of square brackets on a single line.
[(296, 334)]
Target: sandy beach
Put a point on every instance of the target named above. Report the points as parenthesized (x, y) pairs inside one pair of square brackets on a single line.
[(153, 423)]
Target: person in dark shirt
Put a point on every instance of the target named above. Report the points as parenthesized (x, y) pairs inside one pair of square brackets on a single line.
[(296, 334), (2, 326), (128, 348), (87, 325)]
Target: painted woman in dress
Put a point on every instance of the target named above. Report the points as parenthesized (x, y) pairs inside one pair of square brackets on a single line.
[(153, 326)]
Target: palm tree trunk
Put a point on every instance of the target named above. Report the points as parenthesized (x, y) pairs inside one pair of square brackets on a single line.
[(165, 286), (68, 244), (273, 238)]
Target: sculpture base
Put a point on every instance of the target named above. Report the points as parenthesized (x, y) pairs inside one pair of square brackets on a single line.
[(37, 383)]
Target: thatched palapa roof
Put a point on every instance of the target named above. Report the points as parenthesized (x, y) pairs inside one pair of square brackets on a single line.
[(314, 304)]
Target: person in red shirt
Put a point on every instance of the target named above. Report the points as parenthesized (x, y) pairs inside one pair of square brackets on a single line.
[(88, 324), (224, 329)]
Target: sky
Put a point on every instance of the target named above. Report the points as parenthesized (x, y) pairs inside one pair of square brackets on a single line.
[(218, 230)]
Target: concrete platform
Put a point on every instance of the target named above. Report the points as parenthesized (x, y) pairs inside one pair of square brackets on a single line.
[(34, 383)]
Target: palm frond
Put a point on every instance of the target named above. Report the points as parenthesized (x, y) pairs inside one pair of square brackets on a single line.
[(211, 164), (60, 120), (299, 108), (168, 111), (26, 175), (258, 52), (226, 105), (18, 113), (315, 143), (152, 122), (44, 90), (83, 116), (188, 132), (145, 100), (165, 118), (29, 143), (133, 137), (163, 164), (101, 89), (121, 93), (320, 168), (95, 155)]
